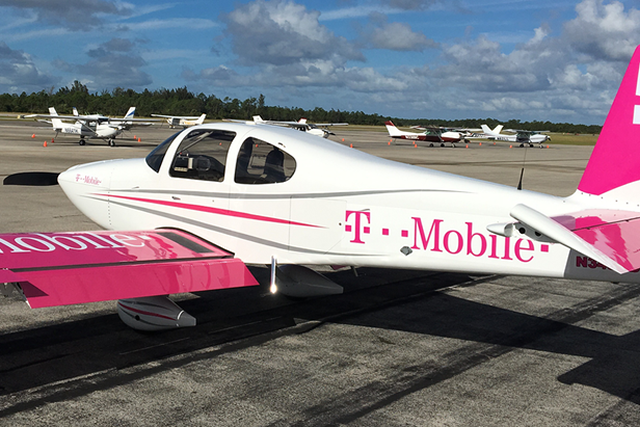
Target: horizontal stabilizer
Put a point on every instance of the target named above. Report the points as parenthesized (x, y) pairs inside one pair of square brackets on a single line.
[(607, 236), (72, 268)]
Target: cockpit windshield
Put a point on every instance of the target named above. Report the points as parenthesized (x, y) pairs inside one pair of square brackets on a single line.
[(155, 157)]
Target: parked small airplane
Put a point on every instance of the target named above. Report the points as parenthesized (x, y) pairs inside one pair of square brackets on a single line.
[(125, 123), (269, 195), (432, 135), (521, 136), (318, 129), (183, 121), (89, 126)]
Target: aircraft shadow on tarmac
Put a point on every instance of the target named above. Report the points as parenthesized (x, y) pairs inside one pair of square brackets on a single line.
[(103, 348)]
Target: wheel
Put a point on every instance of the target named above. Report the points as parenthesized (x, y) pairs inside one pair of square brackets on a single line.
[(442, 144), (82, 141), (112, 143), (521, 145), (431, 145)]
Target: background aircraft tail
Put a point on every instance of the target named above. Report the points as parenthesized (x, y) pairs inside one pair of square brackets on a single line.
[(392, 129), (614, 167), (130, 113), (495, 132), (201, 119), (57, 123)]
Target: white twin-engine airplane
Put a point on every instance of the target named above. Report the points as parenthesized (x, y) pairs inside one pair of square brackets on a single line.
[(521, 136), (89, 126), (213, 197), (183, 121)]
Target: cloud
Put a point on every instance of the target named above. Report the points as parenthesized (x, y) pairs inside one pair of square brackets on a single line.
[(17, 69), (603, 31), (571, 76), (283, 33), (380, 34), (217, 76), (411, 4), (115, 63), (73, 14), (165, 24)]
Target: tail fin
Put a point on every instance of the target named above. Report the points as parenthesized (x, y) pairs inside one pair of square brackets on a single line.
[(258, 119), (57, 123), (614, 166), (302, 120), (130, 113), (392, 129), (495, 132), (75, 111), (201, 119)]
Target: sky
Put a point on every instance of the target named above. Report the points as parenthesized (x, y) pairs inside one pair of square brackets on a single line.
[(553, 60)]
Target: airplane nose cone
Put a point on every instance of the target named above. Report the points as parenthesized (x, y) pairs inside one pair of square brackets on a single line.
[(87, 187)]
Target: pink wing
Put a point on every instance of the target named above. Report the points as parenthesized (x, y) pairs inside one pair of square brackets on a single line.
[(72, 268)]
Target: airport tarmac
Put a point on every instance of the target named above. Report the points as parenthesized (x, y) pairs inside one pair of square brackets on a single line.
[(399, 348)]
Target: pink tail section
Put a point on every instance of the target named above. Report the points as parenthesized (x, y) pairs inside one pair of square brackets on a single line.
[(615, 161)]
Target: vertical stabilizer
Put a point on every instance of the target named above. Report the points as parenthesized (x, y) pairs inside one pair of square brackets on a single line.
[(486, 130), (57, 123), (392, 129), (614, 166), (130, 113), (201, 119)]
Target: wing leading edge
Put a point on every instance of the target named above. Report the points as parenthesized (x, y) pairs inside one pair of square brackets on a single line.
[(54, 269)]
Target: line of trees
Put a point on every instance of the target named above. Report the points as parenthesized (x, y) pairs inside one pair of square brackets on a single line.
[(182, 102)]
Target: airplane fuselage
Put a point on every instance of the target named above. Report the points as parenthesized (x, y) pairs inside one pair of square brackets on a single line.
[(534, 139), (84, 131), (339, 207)]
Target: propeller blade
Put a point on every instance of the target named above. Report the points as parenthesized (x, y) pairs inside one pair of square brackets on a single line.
[(32, 178)]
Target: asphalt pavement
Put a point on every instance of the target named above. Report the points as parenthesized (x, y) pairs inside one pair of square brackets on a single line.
[(398, 348)]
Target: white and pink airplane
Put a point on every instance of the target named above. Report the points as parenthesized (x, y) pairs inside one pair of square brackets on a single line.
[(214, 197)]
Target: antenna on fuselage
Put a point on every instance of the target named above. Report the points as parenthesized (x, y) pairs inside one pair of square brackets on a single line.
[(520, 181), (524, 161)]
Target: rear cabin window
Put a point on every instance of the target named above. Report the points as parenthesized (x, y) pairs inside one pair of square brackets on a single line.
[(202, 155), (262, 163)]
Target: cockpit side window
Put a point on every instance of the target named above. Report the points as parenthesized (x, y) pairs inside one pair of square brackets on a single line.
[(155, 157), (202, 155), (262, 163)]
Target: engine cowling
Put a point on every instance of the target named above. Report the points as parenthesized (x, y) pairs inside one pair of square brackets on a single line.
[(155, 313)]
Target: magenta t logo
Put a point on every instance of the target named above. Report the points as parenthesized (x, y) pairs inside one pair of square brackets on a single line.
[(358, 227)]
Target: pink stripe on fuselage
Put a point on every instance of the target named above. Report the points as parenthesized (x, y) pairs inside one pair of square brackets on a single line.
[(212, 210)]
